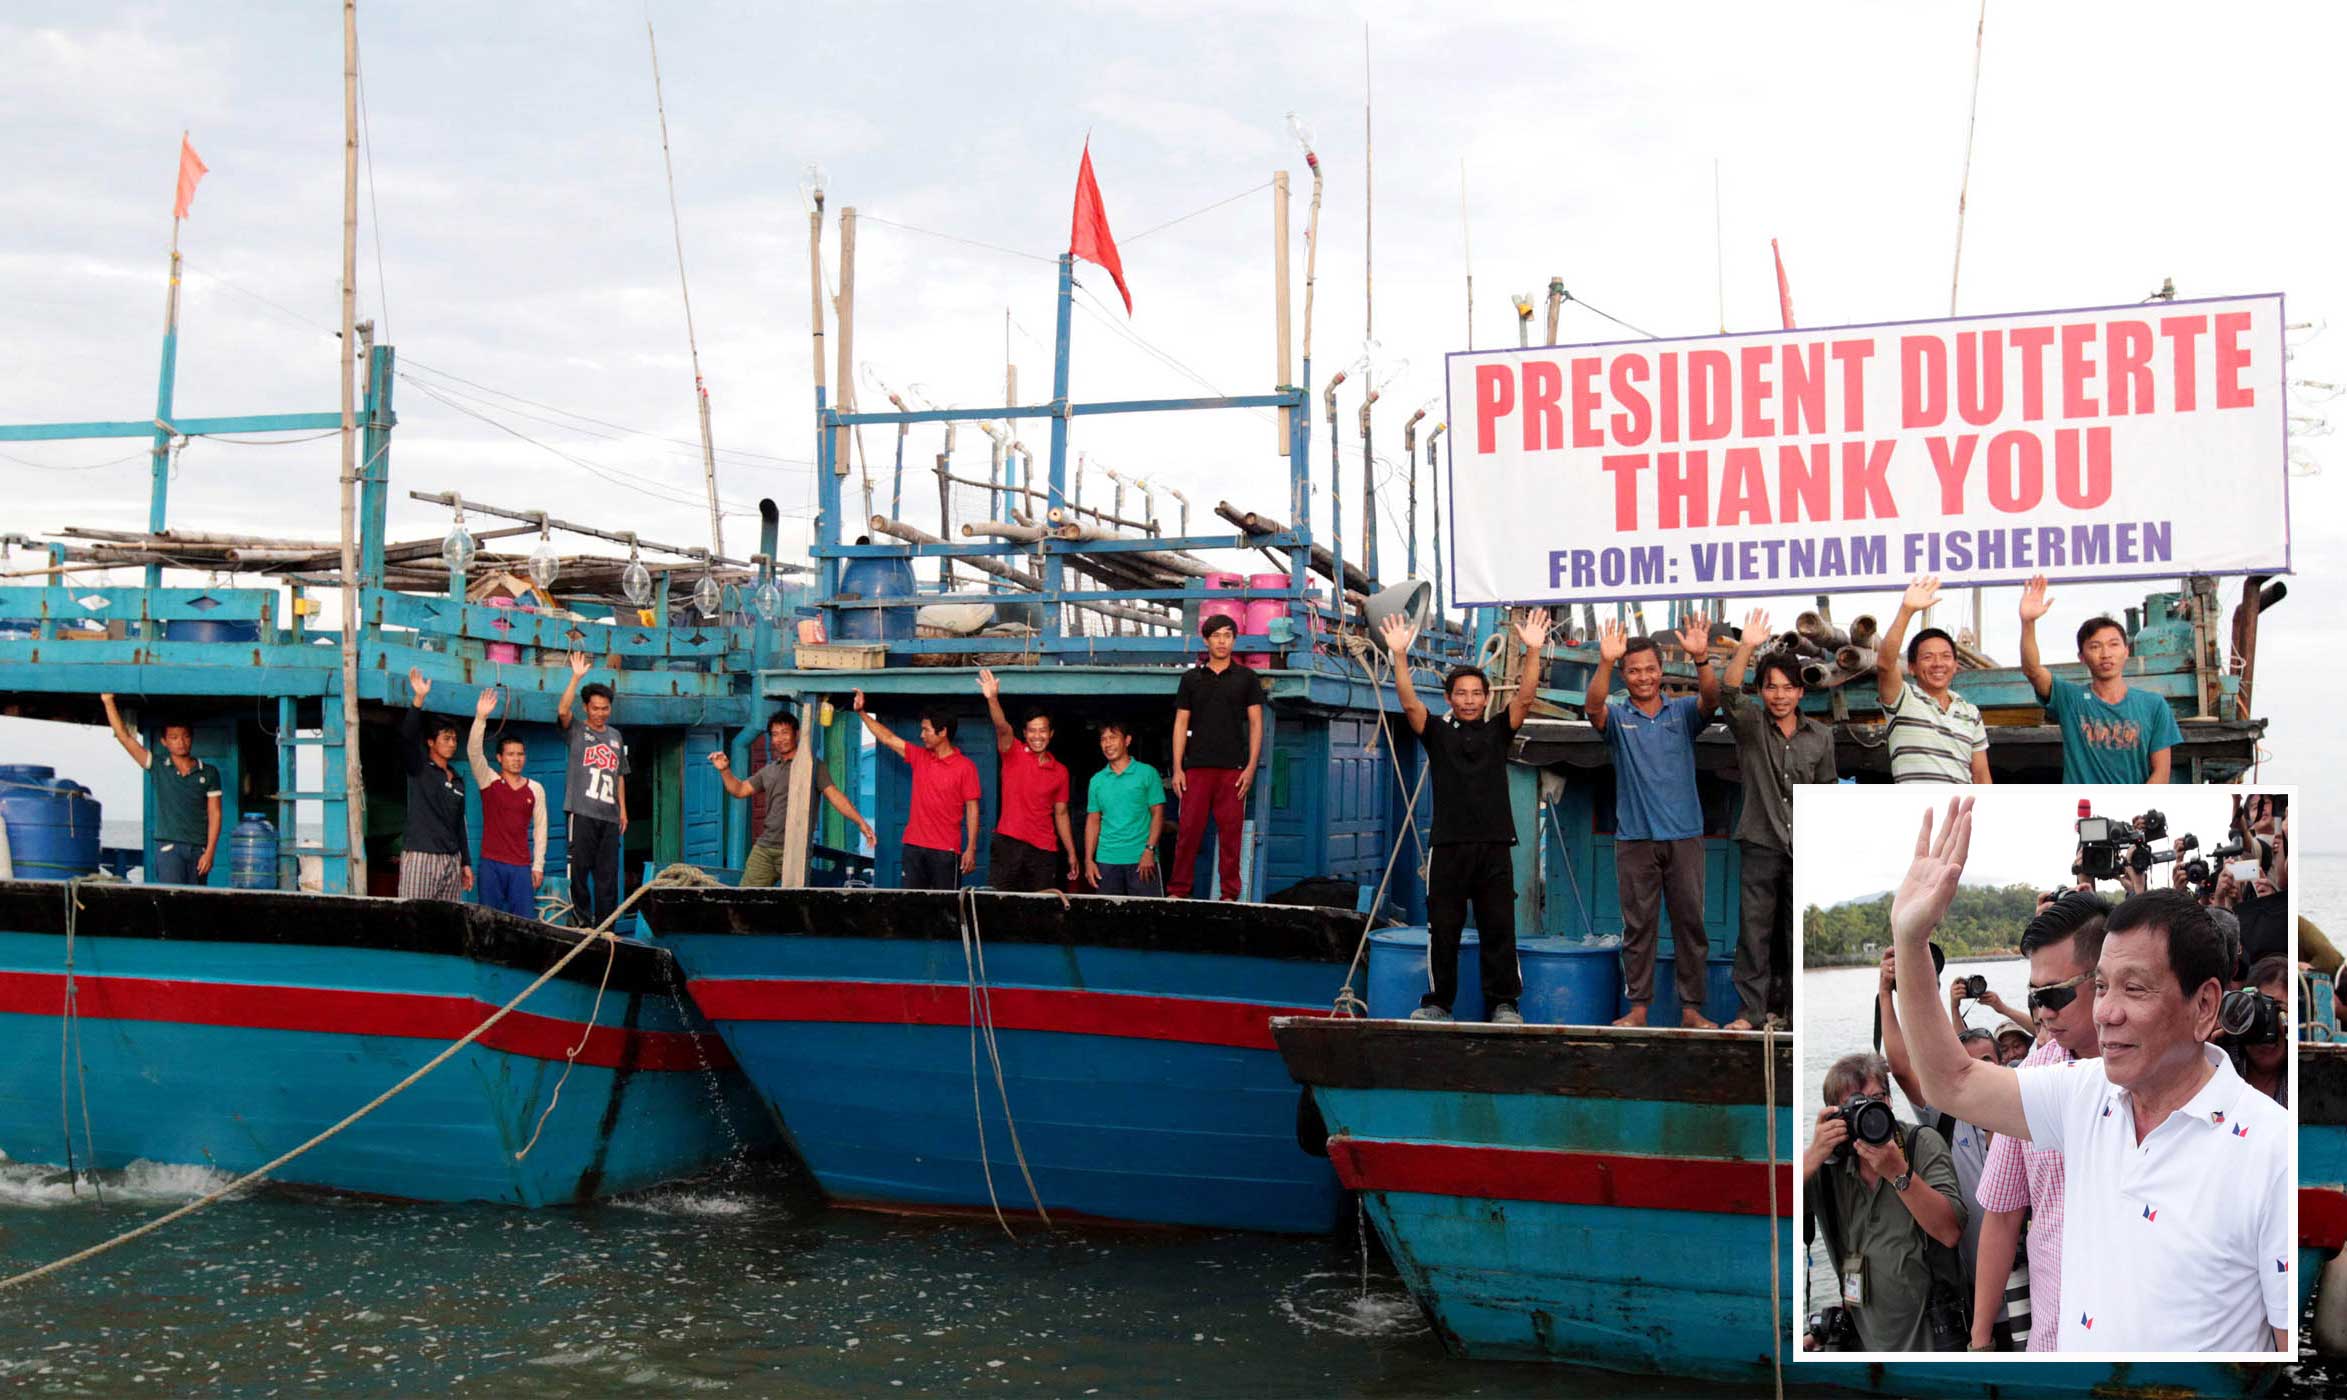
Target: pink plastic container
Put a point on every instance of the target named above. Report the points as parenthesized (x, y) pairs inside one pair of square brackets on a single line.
[(1260, 612), (1235, 609), (506, 652)]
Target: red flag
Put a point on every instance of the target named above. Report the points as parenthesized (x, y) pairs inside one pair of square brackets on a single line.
[(191, 169), (1090, 238), (1784, 289)]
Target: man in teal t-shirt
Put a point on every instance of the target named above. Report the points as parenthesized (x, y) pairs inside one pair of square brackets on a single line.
[(2110, 734), (1125, 814)]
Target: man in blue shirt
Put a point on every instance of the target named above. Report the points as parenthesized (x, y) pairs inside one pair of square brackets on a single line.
[(1658, 823), (2110, 734)]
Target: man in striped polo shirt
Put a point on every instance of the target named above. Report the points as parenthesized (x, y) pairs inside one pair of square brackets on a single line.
[(1936, 735)]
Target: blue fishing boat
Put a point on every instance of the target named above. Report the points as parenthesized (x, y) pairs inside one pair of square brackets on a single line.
[(219, 1029), (2322, 1153), (1605, 1197), (1089, 1058)]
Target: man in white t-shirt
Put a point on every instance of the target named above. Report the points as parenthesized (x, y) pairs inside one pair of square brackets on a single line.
[(2176, 1234)]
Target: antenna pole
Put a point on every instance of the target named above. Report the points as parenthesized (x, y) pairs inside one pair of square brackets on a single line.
[(354, 788)]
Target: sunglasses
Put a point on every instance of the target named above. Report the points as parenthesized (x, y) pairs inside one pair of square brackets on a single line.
[(2055, 996)]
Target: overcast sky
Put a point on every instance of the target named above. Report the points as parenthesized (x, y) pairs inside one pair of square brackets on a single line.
[(1859, 841), (525, 244)]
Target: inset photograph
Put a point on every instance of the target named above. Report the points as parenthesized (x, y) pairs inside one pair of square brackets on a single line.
[(2044, 1076)]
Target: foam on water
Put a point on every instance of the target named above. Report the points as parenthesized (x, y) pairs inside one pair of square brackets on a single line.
[(34, 1186), (1336, 1302), (705, 1204)]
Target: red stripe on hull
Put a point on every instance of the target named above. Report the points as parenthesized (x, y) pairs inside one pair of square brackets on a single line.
[(1562, 1178), (2322, 1217), (1127, 1015), (403, 1015)]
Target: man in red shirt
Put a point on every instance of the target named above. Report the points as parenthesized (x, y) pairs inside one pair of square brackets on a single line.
[(513, 819), (943, 814), (1033, 805)]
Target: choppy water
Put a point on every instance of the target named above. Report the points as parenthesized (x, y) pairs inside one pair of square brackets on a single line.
[(741, 1286)]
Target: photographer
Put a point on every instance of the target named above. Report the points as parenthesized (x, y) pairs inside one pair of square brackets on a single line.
[(1884, 1193), (2261, 1048), (2159, 1126), (2022, 1181), (1967, 1145)]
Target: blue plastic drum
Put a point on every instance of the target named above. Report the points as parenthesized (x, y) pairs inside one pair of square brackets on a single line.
[(1568, 982), (875, 578), (1397, 975), (52, 823), (1719, 1000)]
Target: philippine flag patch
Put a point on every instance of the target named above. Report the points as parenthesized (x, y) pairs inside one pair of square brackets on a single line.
[(2217, 1117), (2151, 1215)]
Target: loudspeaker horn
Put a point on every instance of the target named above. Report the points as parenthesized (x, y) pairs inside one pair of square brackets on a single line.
[(1409, 600)]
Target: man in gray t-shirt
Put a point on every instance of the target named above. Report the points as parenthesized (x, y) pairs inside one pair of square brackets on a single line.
[(594, 794), (764, 866)]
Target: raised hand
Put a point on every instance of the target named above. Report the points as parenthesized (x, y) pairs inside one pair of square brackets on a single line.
[(1922, 593), (1398, 634), (856, 702), (1755, 629), (417, 685), (483, 707), (1923, 897), (988, 686), (1695, 638), (2034, 602), (1533, 629), (1612, 641), (719, 761), (581, 663)]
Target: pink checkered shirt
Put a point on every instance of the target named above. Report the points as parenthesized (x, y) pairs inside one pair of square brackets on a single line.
[(2019, 1174)]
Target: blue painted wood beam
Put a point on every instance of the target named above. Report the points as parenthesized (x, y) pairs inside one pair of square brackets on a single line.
[(185, 427)]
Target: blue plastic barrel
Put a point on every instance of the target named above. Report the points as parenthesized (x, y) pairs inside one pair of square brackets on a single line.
[(1397, 974), (1719, 997), (52, 823), (875, 578), (1569, 982), (252, 854), (189, 629)]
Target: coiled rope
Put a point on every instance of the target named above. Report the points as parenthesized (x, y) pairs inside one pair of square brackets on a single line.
[(674, 875), (982, 1025)]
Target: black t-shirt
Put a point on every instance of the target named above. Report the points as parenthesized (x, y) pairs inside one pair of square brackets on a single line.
[(1470, 777), (2265, 926), (1218, 706)]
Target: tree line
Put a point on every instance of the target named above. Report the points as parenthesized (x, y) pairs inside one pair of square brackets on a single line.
[(1982, 920)]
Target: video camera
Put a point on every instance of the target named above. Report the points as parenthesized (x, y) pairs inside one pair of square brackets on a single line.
[(2107, 847)]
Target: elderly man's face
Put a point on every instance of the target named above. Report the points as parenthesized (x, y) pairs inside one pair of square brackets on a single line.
[(2146, 1023), (1982, 1050)]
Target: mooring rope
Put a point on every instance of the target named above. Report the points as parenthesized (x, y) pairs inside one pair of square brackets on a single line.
[(982, 1010), (674, 875), (1776, 1301)]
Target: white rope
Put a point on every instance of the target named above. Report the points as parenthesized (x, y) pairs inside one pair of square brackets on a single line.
[(570, 1056), (673, 875), (982, 1023)]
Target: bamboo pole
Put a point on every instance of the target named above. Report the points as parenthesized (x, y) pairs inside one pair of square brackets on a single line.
[(1323, 561), (1005, 529), (846, 305), (1279, 301), (354, 789)]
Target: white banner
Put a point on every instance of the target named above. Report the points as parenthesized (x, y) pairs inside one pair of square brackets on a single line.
[(2119, 442)]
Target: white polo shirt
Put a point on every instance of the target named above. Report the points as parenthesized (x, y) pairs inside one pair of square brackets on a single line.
[(2182, 1243)]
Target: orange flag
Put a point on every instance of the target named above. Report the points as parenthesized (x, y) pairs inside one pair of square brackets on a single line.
[(191, 169), (1090, 238), (1784, 288)]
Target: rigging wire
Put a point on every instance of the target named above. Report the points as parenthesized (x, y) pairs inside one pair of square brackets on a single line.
[(955, 238), (621, 435), (29, 463), (621, 428), (1625, 325), (374, 208), (614, 475), (1130, 239)]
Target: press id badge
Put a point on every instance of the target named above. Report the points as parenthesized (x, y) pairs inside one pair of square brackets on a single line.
[(1854, 1281)]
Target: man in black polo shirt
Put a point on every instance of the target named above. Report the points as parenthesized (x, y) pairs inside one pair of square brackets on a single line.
[(1217, 735), (433, 860), (1776, 747), (187, 800), (1474, 825)]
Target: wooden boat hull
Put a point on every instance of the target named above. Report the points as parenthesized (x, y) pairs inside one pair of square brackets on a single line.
[(219, 1028), (1135, 1046), (1603, 1197)]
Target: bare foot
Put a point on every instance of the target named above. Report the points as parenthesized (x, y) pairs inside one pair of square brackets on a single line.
[(1739, 1024), (1693, 1020), (1637, 1016)]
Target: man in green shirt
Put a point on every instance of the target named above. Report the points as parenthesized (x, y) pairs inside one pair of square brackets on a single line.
[(1124, 816), (1887, 1206), (2110, 734), (187, 801)]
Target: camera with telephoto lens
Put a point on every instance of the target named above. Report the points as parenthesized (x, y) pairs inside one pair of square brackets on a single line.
[(1869, 1120), (2107, 847), (2249, 1017), (1833, 1329)]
